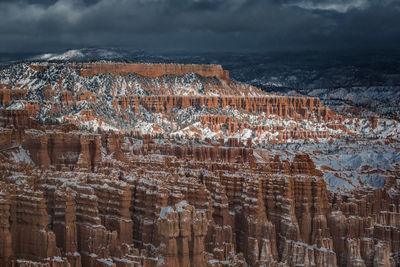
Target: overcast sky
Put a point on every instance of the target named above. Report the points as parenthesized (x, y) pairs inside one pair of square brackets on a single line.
[(199, 25)]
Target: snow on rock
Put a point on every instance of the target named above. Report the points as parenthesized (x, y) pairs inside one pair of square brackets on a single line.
[(21, 156)]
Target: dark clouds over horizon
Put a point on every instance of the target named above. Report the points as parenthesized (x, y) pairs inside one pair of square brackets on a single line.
[(199, 25)]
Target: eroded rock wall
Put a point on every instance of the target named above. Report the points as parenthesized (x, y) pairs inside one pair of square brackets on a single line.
[(151, 70), (145, 203)]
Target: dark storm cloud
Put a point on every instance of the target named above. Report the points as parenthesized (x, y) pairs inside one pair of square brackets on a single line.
[(199, 24)]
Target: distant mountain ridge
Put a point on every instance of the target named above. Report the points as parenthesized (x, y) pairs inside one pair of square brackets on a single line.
[(269, 70)]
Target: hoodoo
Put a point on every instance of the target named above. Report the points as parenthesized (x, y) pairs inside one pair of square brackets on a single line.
[(128, 164)]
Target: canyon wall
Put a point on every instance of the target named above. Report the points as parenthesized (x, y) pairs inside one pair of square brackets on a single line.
[(151, 70), (148, 101), (119, 201), (152, 165), (286, 107)]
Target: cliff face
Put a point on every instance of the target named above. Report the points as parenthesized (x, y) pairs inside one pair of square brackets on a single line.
[(152, 70), (285, 107)]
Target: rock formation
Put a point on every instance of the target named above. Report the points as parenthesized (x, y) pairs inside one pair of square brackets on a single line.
[(151, 70), (186, 180), (157, 99)]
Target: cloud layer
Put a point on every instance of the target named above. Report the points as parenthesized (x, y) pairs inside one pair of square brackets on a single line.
[(203, 25)]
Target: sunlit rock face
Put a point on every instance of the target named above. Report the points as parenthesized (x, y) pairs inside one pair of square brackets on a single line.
[(114, 164)]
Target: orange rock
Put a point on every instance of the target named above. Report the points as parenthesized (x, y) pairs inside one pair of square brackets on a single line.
[(151, 70)]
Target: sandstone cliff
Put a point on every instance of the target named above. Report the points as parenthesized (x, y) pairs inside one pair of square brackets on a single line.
[(151, 70)]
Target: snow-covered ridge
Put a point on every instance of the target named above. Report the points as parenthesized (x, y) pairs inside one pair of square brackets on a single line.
[(80, 55), (69, 55), (124, 101)]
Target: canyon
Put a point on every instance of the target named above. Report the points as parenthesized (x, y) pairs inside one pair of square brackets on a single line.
[(127, 164)]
